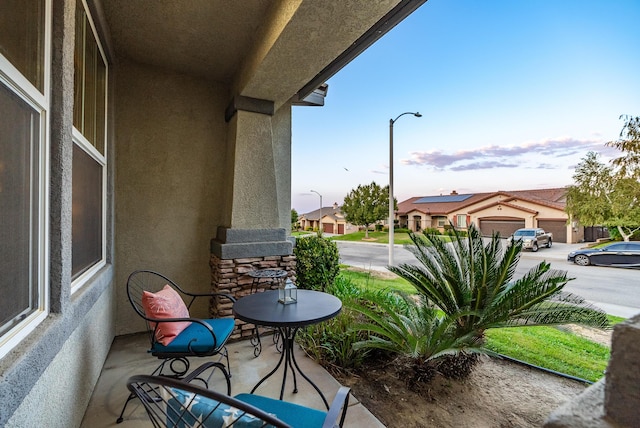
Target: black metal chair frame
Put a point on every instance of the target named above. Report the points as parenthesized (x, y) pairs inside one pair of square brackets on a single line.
[(177, 362), (155, 391), (270, 276)]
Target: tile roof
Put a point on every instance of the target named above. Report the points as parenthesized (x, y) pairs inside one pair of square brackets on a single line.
[(332, 211), (446, 204)]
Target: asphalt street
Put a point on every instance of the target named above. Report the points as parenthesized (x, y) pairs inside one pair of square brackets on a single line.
[(615, 290)]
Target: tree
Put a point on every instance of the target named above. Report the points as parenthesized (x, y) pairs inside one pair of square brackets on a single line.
[(588, 198), (629, 164), (366, 205), (294, 219), (608, 195), (625, 207)]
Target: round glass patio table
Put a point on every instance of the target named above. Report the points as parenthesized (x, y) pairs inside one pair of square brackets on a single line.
[(263, 309)]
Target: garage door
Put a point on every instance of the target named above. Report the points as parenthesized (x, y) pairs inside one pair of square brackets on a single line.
[(340, 229), (327, 227), (504, 227), (557, 227)]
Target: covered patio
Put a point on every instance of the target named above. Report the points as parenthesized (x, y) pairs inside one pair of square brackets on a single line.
[(156, 134), (146, 135), (127, 358)]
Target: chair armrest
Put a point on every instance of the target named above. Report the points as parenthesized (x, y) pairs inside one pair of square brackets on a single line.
[(215, 294), (338, 408), (212, 294)]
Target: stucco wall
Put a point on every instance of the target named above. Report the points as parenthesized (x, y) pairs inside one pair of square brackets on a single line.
[(282, 156), (47, 379), (170, 168), (60, 396), (542, 210), (505, 211)]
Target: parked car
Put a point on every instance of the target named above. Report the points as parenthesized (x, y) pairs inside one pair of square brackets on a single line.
[(621, 254), (533, 238)]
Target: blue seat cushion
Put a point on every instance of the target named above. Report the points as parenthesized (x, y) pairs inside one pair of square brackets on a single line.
[(185, 409), (293, 414), (199, 338)]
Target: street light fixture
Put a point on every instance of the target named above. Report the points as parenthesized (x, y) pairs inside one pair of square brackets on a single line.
[(391, 223), (320, 219)]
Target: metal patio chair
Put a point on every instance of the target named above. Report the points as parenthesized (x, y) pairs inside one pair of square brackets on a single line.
[(266, 278), (176, 403), (176, 338)]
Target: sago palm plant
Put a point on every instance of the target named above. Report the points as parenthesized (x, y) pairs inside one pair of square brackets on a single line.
[(473, 282), (410, 329)]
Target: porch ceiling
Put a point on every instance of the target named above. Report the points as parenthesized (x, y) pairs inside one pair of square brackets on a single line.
[(207, 38), (266, 49)]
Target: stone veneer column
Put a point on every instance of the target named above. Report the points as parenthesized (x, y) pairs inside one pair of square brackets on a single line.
[(234, 252), (255, 201)]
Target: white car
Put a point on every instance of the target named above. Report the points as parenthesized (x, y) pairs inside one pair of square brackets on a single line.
[(532, 238)]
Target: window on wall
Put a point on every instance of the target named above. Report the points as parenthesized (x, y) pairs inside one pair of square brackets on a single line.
[(22, 41), (24, 103), (461, 221), (89, 154)]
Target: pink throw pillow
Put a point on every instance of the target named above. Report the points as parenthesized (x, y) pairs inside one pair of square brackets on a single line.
[(166, 303)]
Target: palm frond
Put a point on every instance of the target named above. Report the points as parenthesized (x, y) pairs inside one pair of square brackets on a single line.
[(472, 281), (415, 331), (562, 308)]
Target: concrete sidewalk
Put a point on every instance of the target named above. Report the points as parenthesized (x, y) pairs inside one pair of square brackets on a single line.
[(128, 356)]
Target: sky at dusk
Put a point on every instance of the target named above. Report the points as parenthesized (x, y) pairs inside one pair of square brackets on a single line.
[(513, 94)]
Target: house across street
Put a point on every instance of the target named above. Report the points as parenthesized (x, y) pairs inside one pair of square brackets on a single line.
[(500, 211)]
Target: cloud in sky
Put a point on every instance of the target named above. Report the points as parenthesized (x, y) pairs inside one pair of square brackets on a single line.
[(505, 156), (482, 165)]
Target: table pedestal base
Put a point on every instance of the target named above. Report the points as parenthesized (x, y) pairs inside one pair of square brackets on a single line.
[(287, 334)]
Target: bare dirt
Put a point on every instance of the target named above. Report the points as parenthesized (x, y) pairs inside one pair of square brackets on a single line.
[(496, 394)]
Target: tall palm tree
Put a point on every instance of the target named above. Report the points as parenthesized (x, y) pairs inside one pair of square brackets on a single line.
[(473, 283)]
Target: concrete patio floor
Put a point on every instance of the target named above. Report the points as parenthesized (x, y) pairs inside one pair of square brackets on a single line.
[(128, 356)]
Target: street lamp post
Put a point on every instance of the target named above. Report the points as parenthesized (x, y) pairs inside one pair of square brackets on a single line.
[(391, 223), (320, 219)]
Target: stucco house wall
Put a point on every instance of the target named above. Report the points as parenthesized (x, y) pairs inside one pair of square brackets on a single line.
[(47, 379), (170, 161), (199, 135), (60, 395), (504, 211)]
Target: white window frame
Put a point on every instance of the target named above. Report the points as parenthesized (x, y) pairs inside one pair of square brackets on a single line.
[(40, 101), (461, 224), (84, 144)]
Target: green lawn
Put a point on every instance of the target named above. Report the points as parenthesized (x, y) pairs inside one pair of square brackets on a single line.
[(373, 280), (552, 349), (399, 238), (378, 237), (548, 347)]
